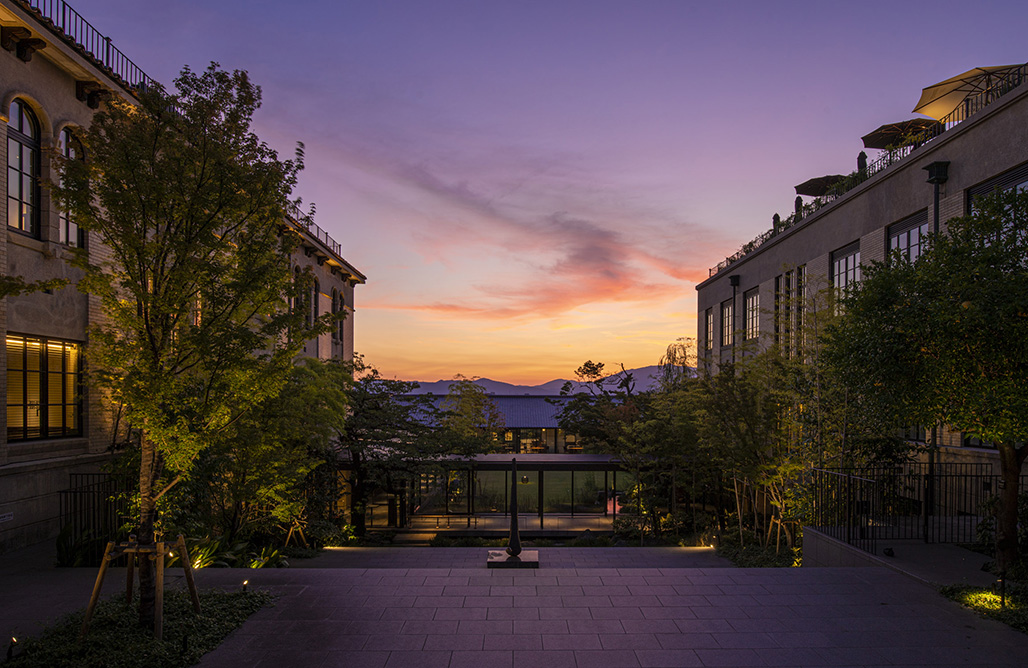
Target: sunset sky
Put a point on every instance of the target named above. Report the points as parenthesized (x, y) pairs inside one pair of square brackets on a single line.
[(528, 185)]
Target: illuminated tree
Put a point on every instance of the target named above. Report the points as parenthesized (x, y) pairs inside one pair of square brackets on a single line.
[(944, 340)]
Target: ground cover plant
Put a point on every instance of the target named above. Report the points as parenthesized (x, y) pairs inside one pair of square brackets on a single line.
[(1013, 611), (117, 640)]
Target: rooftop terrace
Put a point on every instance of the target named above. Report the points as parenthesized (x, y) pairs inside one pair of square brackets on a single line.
[(1000, 84)]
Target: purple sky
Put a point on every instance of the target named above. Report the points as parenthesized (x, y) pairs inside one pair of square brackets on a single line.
[(528, 185)]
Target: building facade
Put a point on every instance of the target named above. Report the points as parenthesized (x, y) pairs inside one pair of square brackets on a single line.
[(757, 296), (56, 70)]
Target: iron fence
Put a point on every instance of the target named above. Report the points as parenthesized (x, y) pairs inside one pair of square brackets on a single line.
[(93, 509), (936, 503), (75, 30)]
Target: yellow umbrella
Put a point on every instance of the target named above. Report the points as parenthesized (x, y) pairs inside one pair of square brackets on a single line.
[(939, 100)]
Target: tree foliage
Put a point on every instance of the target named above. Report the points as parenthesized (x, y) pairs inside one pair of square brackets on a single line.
[(944, 340), (193, 273)]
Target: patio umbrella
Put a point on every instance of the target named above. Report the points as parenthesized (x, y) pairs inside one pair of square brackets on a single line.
[(818, 186), (892, 134), (939, 100)]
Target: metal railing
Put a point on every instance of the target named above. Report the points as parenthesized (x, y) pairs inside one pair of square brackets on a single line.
[(93, 509), (305, 221), (970, 106), (936, 503), (76, 31)]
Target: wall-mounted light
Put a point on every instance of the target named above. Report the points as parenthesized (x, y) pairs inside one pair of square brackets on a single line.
[(938, 172)]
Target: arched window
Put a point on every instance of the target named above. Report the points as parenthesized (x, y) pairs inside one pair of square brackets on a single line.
[(22, 169), (315, 291), (335, 312), (340, 324), (68, 231)]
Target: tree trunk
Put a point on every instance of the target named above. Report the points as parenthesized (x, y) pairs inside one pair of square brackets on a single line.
[(148, 473), (1011, 460), (738, 510), (358, 500)]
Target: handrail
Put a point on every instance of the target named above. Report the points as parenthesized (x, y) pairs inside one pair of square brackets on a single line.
[(75, 30), (312, 228), (970, 106)]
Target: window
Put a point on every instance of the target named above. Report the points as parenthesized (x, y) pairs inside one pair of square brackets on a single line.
[(22, 169), (315, 293), (907, 236), (846, 266), (67, 230), (43, 378), (335, 312), (341, 323), (916, 434), (708, 333), (727, 323), (751, 304)]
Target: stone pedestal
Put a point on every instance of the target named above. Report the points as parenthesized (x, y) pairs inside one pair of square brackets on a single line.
[(500, 559)]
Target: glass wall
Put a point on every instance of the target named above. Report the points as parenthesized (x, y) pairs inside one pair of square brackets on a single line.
[(557, 492), (590, 496), (491, 490), (528, 492)]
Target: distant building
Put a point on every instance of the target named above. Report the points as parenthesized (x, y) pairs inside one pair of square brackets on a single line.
[(55, 71), (930, 173)]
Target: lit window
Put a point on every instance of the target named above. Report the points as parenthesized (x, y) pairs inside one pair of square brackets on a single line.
[(335, 312), (43, 379), (751, 302), (22, 169), (708, 334), (727, 323)]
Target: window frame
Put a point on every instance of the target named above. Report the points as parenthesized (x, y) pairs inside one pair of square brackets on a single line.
[(68, 232), (751, 314), (16, 136), (902, 231), (728, 323), (69, 381)]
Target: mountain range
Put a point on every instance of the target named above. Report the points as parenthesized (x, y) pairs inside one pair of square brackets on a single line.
[(645, 379)]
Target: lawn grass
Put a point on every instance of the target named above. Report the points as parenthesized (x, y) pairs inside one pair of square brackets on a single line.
[(987, 603), (115, 639)]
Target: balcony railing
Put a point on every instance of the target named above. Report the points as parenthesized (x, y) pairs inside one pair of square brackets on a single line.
[(305, 221), (75, 30), (970, 106)]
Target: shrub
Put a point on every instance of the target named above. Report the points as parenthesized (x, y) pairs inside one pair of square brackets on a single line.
[(115, 639)]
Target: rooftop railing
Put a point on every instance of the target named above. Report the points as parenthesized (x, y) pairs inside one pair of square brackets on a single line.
[(75, 30), (305, 221), (970, 106)]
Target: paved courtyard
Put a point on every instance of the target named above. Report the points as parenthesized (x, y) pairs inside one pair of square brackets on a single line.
[(640, 608), (584, 608)]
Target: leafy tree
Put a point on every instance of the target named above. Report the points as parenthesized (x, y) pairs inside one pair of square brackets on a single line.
[(470, 417), (390, 436), (944, 340), (194, 272), (11, 286), (260, 473)]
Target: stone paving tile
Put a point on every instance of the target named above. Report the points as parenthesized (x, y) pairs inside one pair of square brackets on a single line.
[(617, 612), (514, 641), (608, 658), (667, 658), (526, 658), (482, 659), (406, 659), (454, 642), (553, 641)]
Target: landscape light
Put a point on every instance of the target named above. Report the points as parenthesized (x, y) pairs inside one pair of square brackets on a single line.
[(10, 648), (245, 582)]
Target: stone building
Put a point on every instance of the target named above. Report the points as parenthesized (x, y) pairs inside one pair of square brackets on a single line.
[(55, 70), (926, 173)]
